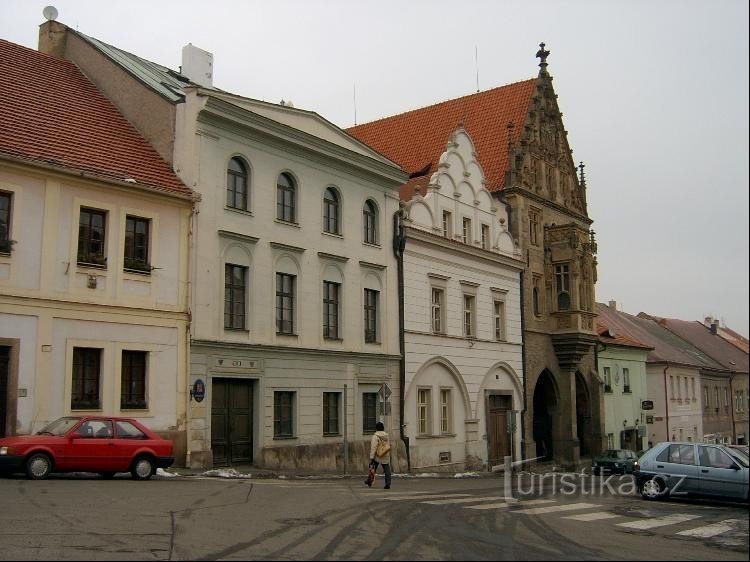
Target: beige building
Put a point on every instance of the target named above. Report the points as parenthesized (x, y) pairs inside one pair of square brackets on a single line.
[(462, 320), (94, 230), (293, 304), (521, 144)]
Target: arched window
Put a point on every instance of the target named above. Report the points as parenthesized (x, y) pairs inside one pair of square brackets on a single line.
[(286, 198), (370, 222), (331, 211), (237, 184)]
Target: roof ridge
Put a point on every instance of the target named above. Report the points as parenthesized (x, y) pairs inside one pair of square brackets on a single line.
[(436, 104)]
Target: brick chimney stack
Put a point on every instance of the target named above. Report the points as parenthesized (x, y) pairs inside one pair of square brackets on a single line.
[(613, 305)]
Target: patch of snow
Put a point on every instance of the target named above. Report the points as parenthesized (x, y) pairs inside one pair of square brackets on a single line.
[(466, 475), (162, 472), (226, 473)]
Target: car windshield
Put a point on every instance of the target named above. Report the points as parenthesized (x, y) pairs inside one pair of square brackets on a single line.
[(738, 454), (613, 454), (59, 427)]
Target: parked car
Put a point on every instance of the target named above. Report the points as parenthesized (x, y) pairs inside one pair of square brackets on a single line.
[(616, 461), (693, 469), (102, 444)]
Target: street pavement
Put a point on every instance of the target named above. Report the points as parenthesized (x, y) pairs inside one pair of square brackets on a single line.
[(201, 517)]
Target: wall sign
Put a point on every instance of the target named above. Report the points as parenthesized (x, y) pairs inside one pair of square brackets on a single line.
[(199, 390), (647, 405)]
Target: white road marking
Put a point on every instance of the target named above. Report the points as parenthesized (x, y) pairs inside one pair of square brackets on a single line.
[(708, 531), (596, 516), (556, 508), (655, 522), (506, 504), (465, 500), (427, 497)]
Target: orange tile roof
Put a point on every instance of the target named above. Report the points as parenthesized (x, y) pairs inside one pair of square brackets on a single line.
[(416, 139), (605, 335), (51, 114)]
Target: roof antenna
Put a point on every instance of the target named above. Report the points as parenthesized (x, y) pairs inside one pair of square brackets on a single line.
[(476, 61), (355, 103)]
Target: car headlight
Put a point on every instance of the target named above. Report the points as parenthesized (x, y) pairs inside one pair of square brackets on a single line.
[(4, 450), (617, 465)]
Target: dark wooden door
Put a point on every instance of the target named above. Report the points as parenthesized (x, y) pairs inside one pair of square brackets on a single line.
[(231, 422), (4, 376), (498, 438)]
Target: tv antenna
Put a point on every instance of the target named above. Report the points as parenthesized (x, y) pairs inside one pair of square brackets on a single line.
[(50, 13)]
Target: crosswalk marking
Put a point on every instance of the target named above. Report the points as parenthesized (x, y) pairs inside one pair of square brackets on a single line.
[(465, 500), (708, 531), (555, 508), (426, 497), (506, 504), (655, 522), (595, 516)]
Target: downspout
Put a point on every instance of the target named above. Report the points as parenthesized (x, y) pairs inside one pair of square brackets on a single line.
[(399, 242), (191, 262), (732, 406), (523, 366), (666, 402)]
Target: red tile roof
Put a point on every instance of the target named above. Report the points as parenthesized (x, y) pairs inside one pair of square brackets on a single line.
[(605, 335), (51, 114), (416, 139)]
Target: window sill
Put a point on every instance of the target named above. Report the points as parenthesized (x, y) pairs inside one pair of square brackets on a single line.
[(134, 410), (139, 272), (286, 335), (333, 234), (373, 343), (85, 410), (236, 330), (285, 438), (287, 223), (440, 436), (371, 244), (338, 340), (240, 211), (331, 435), (88, 265)]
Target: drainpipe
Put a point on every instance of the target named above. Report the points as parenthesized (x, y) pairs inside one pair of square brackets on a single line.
[(666, 402), (523, 366), (399, 242), (731, 406)]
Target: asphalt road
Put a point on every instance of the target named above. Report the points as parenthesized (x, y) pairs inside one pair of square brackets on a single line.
[(197, 518)]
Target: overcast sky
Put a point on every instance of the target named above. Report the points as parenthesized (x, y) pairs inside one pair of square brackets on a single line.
[(654, 95)]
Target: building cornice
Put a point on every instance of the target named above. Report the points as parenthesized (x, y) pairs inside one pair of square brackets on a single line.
[(239, 237), (538, 199), (234, 346)]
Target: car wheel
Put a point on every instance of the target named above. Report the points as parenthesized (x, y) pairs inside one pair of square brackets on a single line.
[(143, 468), (38, 466), (107, 475), (652, 489)]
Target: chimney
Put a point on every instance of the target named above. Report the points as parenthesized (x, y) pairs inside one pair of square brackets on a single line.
[(715, 327), (198, 65), (52, 36), (613, 305), (707, 321)]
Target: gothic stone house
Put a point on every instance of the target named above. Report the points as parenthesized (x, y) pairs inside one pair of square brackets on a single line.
[(521, 145)]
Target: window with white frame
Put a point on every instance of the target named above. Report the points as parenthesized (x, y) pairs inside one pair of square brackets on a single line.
[(286, 198), (283, 413), (237, 184), (285, 303), (331, 298), (86, 382), (466, 235), (331, 213), (625, 379), (485, 236), (469, 306), (607, 380), (447, 224), (235, 291), (446, 411), (424, 411), (438, 310), (370, 222), (371, 315), (499, 318)]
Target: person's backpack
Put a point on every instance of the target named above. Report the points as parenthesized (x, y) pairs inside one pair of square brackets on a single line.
[(383, 448)]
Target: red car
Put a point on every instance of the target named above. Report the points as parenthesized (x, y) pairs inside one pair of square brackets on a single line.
[(102, 444)]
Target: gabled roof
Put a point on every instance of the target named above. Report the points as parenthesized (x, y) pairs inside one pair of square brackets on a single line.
[(50, 114), (667, 346), (611, 336), (716, 347), (416, 139)]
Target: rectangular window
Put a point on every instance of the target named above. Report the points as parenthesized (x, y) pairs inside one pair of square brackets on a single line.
[(706, 405), (469, 316), (694, 391), (283, 414), (91, 237), (235, 291), (499, 320), (562, 283), (331, 293), (485, 237), (716, 399), (136, 244), (466, 234), (626, 380), (679, 388), (424, 411), (369, 411), (438, 297), (534, 227), (446, 411), (607, 380), (726, 398), (331, 416), (133, 380), (86, 378), (5, 215), (610, 440), (447, 224), (371, 316), (285, 296)]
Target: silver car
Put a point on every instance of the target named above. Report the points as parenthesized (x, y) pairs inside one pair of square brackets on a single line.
[(699, 469)]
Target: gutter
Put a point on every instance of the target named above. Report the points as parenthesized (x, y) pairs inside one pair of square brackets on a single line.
[(399, 242)]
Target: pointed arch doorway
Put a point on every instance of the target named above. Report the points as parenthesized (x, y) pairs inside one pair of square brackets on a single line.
[(545, 407)]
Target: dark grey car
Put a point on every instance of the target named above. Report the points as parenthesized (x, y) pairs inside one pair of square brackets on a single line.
[(699, 469)]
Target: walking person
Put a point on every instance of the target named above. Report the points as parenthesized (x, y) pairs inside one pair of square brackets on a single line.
[(380, 453)]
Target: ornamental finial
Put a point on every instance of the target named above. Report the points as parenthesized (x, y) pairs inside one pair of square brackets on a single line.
[(542, 54)]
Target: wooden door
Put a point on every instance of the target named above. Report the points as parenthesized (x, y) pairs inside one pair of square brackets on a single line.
[(498, 438), (231, 422)]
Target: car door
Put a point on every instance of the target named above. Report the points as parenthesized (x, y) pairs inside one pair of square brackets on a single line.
[(679, 463), (90, 447), (128, 440), (721, 475)]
